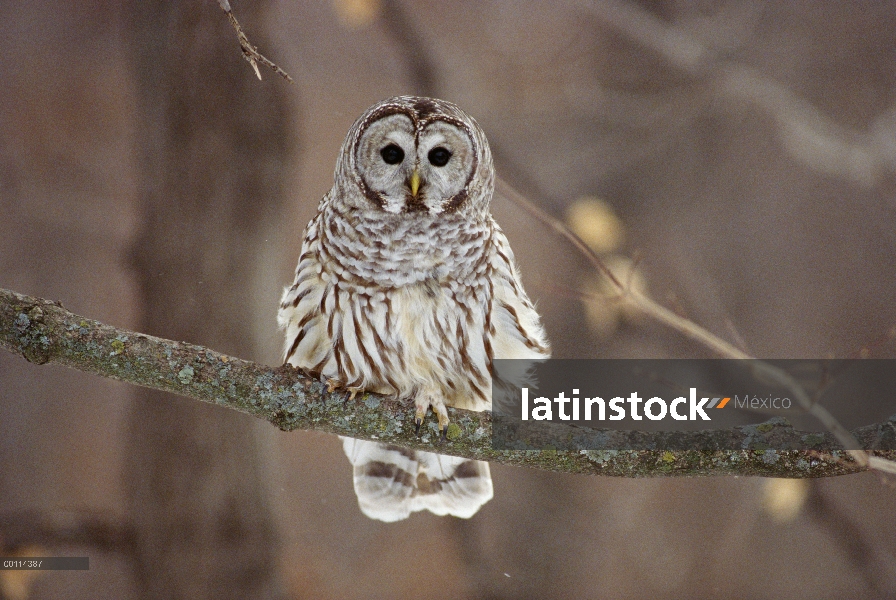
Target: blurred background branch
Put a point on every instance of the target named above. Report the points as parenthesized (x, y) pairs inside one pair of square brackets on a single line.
[(99, 532), (805, 132)]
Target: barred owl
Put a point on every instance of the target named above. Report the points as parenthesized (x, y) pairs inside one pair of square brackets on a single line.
[(406, 286)]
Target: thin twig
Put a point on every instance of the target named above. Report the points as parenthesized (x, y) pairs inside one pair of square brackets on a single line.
[(250, 52)]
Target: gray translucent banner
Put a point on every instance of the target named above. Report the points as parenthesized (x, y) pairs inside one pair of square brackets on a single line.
[(619, 404), (45, 563)]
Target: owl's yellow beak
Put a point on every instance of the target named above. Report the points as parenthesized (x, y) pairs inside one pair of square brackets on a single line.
[(415, 183)]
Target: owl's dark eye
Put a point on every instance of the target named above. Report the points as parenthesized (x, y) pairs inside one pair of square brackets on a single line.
[(392, 154), (439, 156)]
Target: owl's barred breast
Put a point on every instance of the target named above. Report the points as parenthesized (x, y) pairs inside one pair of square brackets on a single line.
[(376, 248), (395, 314)]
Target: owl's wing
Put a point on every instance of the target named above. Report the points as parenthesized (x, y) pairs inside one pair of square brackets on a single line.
[(515, 329), (302, 312), (392, 482)]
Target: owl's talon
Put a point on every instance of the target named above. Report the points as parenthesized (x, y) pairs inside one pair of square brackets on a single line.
[(418, 419), (443, 426)]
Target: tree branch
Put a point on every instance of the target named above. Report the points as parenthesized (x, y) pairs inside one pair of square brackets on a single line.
[(250, 52), (45, 332)]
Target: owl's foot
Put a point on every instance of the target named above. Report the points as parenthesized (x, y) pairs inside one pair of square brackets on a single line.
[(332, 384), (438, 407), (353, 391)]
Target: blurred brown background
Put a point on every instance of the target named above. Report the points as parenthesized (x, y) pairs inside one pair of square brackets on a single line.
[(148, 180)]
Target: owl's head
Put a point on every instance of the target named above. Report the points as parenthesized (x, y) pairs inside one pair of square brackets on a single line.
[(418, 155)]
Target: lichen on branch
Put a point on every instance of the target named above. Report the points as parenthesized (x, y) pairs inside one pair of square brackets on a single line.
[(45, 332)]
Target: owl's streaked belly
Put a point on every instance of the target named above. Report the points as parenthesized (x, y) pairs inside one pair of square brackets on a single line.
[(441, 342), (423, 337)]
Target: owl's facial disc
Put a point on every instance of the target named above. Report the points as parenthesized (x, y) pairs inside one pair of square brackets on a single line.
[(405, 169)]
